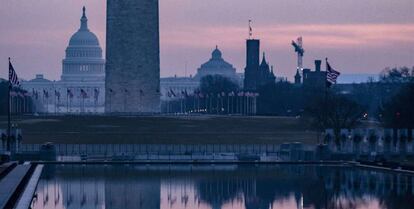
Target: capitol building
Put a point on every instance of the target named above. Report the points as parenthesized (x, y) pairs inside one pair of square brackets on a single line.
[(82, 85)]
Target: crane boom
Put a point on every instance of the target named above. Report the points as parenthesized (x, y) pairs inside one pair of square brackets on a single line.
[(298, 46)]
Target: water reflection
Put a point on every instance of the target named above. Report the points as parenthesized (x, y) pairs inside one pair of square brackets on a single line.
[(221, 187)]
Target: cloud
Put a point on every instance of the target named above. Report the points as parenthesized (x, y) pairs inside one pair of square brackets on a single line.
[(359, 35), (316, 36)]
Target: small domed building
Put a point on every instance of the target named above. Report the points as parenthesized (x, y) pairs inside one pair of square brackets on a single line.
[(82, 85), (217, 66)]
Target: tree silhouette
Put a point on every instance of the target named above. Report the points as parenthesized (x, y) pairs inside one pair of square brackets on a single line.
[(397, 75), (333, 111), (215, 84), (398, 113)]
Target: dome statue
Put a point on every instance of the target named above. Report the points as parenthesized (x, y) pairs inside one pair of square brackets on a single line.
[(83, 36), (216, 54)]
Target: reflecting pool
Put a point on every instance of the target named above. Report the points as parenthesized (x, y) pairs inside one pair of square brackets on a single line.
[(221, 187)]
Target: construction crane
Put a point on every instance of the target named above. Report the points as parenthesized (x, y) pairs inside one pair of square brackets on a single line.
[(298, 45)]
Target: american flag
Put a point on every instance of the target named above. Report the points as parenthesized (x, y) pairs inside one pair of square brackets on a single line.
[(173, 93), (45, 93), (331, 74), (69, 93), (35, 94), (96, 94), (183, 94), (83, 94), (57, 94), (13, 79)]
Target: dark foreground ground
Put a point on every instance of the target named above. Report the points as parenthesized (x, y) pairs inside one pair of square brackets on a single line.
[(162, 129)]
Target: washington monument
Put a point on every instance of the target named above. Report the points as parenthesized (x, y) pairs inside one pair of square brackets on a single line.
[(132, 57)]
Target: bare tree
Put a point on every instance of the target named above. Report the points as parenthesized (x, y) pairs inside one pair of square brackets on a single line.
[(397, 75), (398, 113), (336, 112)]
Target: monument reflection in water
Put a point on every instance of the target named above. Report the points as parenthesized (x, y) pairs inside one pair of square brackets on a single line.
[(221, 187)]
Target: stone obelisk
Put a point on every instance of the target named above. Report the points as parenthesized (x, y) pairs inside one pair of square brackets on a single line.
[(132, 57)]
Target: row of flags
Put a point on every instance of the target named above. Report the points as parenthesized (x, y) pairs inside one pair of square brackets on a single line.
[(19, 94), (171, 93), (199, 94), (141, 92), (331, 78), (69, 93), (14, 82), (45, 93)]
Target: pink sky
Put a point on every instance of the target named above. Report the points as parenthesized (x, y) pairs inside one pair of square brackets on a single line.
[(357, 36)]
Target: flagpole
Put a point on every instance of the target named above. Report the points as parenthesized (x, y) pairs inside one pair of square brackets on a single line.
[(217, 104), (228, 104), (326, 94), (67, 101), (8, 113), (110, 100), (55, 101), (237, 104)]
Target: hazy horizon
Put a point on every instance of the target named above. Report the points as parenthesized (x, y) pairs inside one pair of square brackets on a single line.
[(358, 37)]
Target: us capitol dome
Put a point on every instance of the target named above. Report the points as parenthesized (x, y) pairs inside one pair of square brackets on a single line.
[(82, 85), (83, 60)]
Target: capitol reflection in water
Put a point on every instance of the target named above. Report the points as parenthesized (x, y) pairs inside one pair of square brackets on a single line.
[(221, 187)]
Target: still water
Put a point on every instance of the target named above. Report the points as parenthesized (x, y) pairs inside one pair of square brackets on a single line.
[(221, 187)]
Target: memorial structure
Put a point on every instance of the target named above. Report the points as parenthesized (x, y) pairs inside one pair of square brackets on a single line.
[(132, 57)]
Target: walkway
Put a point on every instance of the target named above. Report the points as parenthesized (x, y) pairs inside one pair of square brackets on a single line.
[(12, 184)]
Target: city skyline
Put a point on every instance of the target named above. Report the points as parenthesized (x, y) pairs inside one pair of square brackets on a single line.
[(377, 35)]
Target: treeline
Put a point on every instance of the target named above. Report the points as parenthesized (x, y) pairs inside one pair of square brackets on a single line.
[(287, 99)]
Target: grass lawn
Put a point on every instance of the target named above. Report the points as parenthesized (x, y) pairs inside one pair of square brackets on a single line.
[(162, 129)]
